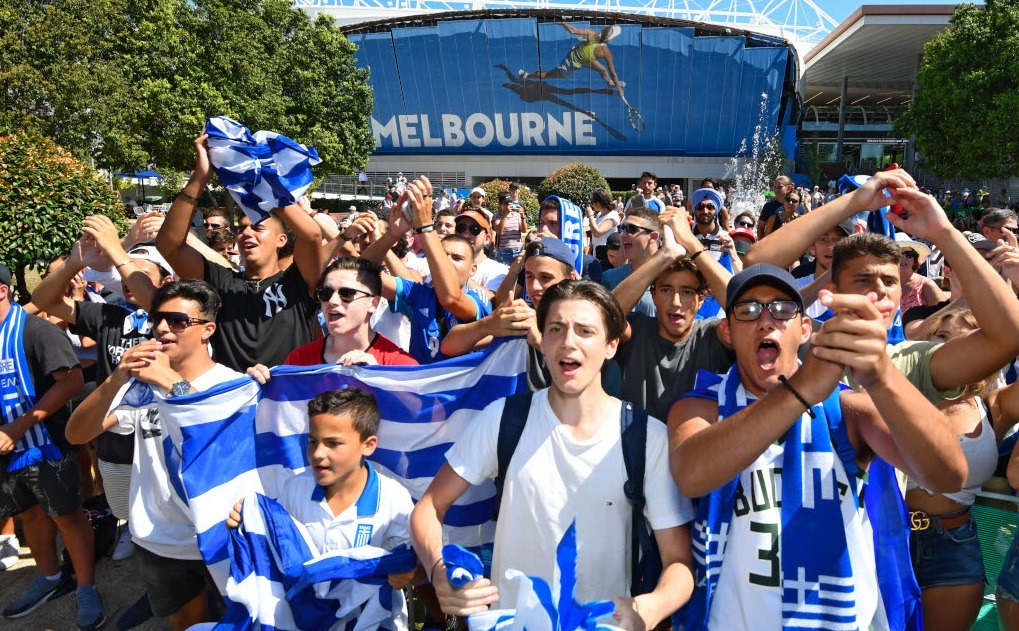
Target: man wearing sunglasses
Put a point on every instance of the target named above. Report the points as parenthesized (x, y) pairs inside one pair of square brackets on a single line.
[(774, 450), (270, 311), (175, 362), (639, 235), (474, 226), (707, 203)]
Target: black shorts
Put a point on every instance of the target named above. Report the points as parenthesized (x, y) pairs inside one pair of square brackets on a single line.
[(170, 583), (53, 485)]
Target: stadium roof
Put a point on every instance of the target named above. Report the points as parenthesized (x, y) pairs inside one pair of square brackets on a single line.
[(879, 48)]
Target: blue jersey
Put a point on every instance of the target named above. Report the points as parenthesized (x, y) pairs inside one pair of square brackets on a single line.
[(419, 303)]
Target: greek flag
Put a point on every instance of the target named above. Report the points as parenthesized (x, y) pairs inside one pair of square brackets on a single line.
[(262, 171), (238, 438), (538, 606)]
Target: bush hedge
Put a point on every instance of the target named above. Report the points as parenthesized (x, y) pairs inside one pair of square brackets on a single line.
[(524, 194), (45, 195), (575, 182)]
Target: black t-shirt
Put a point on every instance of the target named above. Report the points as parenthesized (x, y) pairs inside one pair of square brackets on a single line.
[(656, 372), (105, 323), (47, 351), (260, 321), (770, 208)]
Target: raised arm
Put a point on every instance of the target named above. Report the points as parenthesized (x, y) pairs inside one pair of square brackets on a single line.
[(308, 254), (891, 416), (783, 248), (716, 275), (172, 238), (972, 357), (138, 282), (444, 278)]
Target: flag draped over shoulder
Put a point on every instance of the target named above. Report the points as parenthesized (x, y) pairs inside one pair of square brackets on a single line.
[(240, 438), (262, 171)]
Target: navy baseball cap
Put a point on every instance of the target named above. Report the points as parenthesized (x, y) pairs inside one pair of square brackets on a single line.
[(5, 275), (552, 248), (762, 274)]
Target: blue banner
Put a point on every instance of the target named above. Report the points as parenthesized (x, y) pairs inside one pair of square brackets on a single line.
[(515, 85)]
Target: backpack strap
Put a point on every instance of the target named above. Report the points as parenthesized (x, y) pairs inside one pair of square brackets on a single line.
[(511, 428), (645, 561)]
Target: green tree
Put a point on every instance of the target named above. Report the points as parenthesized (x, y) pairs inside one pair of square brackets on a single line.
[(45, 194), (65, 76), (964, 113), (129, 83), (575, 182), (524, 194)]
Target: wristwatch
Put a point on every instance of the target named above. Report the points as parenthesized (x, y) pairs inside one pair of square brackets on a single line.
[(180, 388)]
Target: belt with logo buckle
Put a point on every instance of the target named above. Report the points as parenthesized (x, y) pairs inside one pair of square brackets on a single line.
[(919, 520)]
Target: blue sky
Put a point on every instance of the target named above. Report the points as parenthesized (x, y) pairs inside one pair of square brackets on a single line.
[(841, 9)]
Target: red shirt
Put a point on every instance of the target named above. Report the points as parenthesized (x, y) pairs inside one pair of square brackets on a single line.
[(384, 351)]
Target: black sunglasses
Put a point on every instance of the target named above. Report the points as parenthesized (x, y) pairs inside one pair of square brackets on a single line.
[(474, 228), (704, 206), (792, 200), (752, 310), (176, 320), (745, 224), (347, 294), (910, 254), (632, 229)]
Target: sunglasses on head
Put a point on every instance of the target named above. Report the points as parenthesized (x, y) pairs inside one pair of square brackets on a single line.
[(632, 229), (347, 294), (473, 228), (176, 320), (752, 310)]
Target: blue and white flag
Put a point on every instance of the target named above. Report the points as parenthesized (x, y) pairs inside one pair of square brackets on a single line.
[(239, 438), (540, 606), (571, 228), (262, 171)]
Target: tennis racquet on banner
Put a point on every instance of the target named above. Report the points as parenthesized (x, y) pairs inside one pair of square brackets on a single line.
[(636, 120)]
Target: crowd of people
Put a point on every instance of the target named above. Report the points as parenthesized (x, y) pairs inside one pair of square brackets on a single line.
[(777, 361)]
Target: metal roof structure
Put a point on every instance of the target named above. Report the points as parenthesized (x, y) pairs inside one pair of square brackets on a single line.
[(879, 48), (802, 22)]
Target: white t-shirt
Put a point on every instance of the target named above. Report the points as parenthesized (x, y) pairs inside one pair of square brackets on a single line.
[(393, 326), (816, 309), (420, 265), (554, 479), (748, 595), (161, 521), (380, 517), (610, 216), (490, 274)]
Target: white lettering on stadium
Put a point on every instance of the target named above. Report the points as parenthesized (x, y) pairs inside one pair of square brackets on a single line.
[(528, 129)]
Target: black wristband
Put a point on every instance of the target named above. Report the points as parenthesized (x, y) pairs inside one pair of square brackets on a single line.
[(693, 257), (799, 397), (193, 200), (424, 229)]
